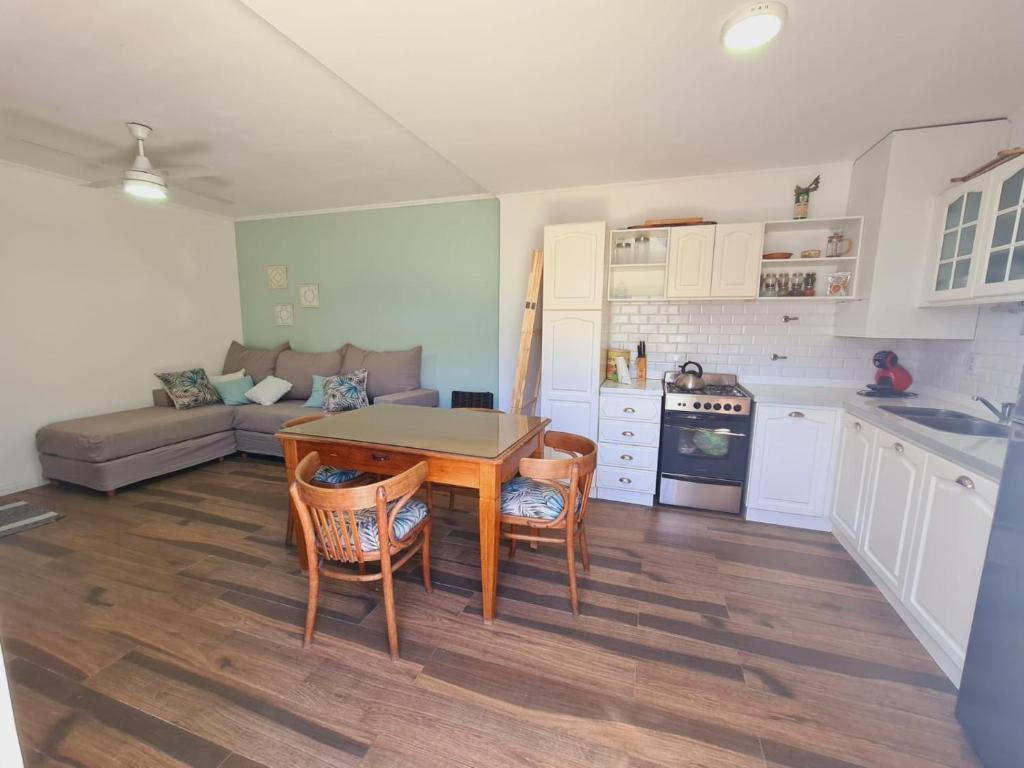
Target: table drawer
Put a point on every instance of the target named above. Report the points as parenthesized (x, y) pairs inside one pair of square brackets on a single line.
[(629, 456), (629, 432), (637, 480), (377, 460), (630, 408)]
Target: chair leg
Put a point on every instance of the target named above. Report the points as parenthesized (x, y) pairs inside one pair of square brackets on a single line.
[(584, 552), (570, 558), (430, 495), (425, 555), (451, 500), (362, 569), (388, 588), (512, 543), (311, 605), (289, 531)]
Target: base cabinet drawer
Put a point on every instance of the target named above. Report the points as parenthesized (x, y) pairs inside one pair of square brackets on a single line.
[(629, 456), (630, 432), (630, 408), (642, 481)]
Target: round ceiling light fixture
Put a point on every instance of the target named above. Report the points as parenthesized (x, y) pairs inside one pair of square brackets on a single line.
[(753, 26), (142, 180)]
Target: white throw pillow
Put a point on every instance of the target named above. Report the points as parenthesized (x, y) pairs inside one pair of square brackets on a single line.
[(269, 391), (227, 377)]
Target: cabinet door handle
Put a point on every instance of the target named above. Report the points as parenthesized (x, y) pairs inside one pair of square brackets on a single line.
[(856, 426), (625, 480), (629, 410), (626, 457), (795, 415), (966, 482), (898, 447), (379, 456), (627, 433)]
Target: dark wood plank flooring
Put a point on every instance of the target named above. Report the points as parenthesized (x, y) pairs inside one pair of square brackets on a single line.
[(163, 628)]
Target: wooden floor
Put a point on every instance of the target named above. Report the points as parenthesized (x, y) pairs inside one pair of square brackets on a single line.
[(163, 628)]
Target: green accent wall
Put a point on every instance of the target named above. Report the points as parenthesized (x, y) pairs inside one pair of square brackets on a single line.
[(390, 278)]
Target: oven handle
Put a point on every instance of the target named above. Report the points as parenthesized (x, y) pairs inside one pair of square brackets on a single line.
[(709, 431)]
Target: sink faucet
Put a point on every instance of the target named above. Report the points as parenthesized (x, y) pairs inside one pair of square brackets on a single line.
[(1003, 413)]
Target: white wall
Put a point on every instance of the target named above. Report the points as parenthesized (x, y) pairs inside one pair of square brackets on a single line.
[(99, 291), (732, 197)]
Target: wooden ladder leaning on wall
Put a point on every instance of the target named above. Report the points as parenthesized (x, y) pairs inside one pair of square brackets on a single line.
[(528, 351)]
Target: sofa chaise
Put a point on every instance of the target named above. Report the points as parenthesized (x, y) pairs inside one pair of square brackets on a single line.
[(113, 450)]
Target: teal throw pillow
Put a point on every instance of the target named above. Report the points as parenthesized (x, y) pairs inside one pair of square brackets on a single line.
[(316, 400), (233, 392)]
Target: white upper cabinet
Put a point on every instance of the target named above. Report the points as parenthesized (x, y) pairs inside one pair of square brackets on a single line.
[(690, 258), (956, 241), (736, 272), (1002, 272), (574, 266)]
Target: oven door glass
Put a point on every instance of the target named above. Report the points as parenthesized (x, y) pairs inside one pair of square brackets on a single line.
[(705, 446)]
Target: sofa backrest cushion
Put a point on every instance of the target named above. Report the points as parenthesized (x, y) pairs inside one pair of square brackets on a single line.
[(387, 372), (299, 368), (258, 363)]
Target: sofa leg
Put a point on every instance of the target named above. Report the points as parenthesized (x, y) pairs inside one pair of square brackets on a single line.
[(243, 454), (111, 494), (220, 459)]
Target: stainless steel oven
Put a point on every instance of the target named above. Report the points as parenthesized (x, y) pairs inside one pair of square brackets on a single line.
[(705, 444)]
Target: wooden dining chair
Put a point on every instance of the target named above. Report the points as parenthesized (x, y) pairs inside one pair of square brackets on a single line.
[(380, 522), (552, 494), (325, 477)]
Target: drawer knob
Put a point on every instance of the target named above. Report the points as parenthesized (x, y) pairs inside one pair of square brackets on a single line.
[(379, 456), (966, 482), (627, 433), (629, 410), (795, 415), (856, 426), (625, 480), (898, 447), (626, 457)]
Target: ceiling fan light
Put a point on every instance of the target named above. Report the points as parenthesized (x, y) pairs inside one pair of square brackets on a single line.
[(753, 26), (143, 184)]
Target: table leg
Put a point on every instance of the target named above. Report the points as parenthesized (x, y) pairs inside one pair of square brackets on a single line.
[(490, 535), (291, 460), (538, 454)]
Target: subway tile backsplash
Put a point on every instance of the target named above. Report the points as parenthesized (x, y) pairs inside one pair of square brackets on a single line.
[(740, 337)]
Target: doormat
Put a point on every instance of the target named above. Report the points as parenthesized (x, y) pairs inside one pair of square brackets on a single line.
[(20, 516)]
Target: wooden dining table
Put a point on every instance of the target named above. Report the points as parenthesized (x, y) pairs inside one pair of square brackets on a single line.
[(462, 447)]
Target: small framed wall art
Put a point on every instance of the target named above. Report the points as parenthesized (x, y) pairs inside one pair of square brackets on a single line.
[(309, 295), (284, 314), (277, 277)]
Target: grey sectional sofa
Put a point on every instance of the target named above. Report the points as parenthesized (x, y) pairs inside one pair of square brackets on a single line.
[(117, 449)]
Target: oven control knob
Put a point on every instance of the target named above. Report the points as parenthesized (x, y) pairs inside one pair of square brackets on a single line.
[(727, 406), (718, 406), (707, 406), (737, 407), (696, 405)]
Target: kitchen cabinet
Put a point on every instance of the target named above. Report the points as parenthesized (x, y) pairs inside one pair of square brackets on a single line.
[(691, 252), (956, 241), (891, 507), (893, 186), (736, 269), (950, 541), (853, 473), (1001, 274), (571, 370), (574, 266), (792, 465), (627, 454)]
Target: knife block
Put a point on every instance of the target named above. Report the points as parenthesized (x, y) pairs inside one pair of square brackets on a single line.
[(641, 370)]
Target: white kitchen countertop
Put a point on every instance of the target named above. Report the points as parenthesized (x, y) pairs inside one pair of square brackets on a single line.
[(651, 388), (984, 455)]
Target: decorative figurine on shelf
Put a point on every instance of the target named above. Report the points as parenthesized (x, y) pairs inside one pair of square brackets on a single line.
[(802, 198)]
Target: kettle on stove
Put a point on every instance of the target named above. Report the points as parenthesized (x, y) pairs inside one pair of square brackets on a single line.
[(689, 381)]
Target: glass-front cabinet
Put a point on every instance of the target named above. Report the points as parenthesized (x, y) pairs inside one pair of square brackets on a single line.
[(955, 243), (1004, 247)]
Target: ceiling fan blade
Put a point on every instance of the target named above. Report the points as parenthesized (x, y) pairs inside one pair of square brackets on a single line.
[(187, 171), (203, 195), (103, 183)]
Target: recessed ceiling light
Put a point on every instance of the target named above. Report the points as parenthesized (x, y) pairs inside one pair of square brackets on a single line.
[(753, 26)]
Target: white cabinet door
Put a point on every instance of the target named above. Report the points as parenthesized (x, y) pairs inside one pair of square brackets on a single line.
[(1002, 270), (791, 459), (953, 253), (691, 253), (571, 371), (736, 272), (854, 468), (574, 266), (949, 552), (891, 507)]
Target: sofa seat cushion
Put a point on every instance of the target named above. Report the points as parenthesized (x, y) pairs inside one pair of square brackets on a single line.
[(268, 418), (125, 433)]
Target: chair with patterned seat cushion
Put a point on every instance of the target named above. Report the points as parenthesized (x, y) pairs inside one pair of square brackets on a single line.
[(359, 525), (539, 499), (328, 477)]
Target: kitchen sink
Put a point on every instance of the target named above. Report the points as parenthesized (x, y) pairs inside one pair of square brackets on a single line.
[(944, 420)]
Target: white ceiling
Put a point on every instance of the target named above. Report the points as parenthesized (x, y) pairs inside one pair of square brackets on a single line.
[(332, 103)]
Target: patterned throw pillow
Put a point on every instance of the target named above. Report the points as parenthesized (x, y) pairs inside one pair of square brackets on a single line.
[(345, 392), (189, 389)]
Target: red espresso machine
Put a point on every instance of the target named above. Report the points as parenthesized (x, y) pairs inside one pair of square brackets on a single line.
[(891, 378)]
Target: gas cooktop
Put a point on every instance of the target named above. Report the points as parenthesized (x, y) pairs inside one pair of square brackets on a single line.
[(720, 393)]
